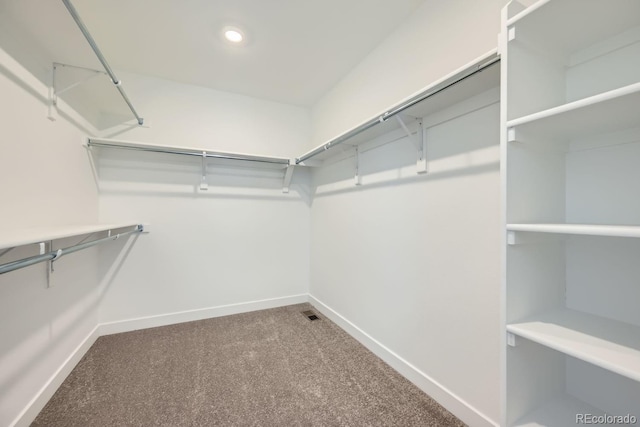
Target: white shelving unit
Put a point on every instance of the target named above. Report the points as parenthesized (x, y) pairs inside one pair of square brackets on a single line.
[(571, 146)]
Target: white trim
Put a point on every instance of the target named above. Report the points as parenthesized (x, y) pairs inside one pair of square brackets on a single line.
[(199, 314), (33, 408), (455, 404)]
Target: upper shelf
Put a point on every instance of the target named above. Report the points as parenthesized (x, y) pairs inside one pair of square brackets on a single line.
[(609, 111), (472, 79), (590, 22), (27, 236)]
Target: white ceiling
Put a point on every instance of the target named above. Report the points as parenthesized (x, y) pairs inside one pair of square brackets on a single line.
[(296, 50)]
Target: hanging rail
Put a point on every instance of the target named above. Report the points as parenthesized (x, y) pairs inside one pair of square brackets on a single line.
[(54, 255), (117, 82), (439, 87), (110, 143)]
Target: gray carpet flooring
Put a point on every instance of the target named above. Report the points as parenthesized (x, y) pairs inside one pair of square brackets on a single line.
[(264, 368)]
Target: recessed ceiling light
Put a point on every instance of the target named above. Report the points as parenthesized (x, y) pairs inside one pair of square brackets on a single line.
[(233, 35)]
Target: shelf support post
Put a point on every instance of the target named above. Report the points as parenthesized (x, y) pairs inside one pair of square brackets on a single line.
[(288, 175)]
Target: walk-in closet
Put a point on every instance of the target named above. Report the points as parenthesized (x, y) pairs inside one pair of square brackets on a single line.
[(355, 212)]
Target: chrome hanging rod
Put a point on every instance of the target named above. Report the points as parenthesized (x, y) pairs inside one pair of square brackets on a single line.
[(109, 143), (462, 75), (117, 82), (53, 255)]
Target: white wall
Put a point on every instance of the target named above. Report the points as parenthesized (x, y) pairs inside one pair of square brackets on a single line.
[(46, 180), (440, 36), (242, 240), (413, 261)]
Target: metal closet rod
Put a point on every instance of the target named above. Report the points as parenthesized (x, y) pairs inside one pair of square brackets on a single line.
[(53, 255), (95, 142), (74, 13), (457, 78)]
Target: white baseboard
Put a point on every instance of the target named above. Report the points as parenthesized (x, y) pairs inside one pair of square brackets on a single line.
[(200, 314), (456, 405), (33, 408)]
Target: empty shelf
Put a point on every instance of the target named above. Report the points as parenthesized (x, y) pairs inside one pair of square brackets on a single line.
[(560, 411), (575, 24), (605, 112), (585, 229), (606, 343)]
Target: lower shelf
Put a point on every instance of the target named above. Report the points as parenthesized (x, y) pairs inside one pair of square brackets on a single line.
[(561, 411), (606, 343)]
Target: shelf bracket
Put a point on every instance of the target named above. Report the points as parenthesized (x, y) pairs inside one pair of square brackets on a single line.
[(511, 33), (513, 135), (514, 238), (288, 175), (203, 180), (356, 178), (404, 127), (55, 91), (419, 140), (512, 340), (50, 268)]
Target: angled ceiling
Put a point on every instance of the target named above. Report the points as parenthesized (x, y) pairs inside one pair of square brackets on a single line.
[(296, 51)]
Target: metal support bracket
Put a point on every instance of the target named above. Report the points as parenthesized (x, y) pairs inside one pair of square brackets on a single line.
[(203, 181), (56, 91), (50, 268), (288, 175), (403, 125), (419, 140), (511, 34), (356, 179)]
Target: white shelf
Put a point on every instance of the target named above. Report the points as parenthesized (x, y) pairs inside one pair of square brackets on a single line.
[(606, 112), (280, 162), (560, 411), (573, 25), (27, 236), (606, 343), (583, 229), (444, 95)]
